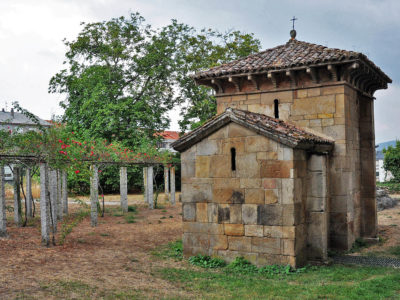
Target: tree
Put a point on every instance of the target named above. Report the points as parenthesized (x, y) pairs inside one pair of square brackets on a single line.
[(392, 160), (122, 76), (204, 50)]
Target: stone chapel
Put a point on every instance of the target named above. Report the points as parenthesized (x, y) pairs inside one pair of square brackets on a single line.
[(286, 170)]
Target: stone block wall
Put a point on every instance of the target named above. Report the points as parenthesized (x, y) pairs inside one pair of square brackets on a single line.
[(337, 110), (256, 211)]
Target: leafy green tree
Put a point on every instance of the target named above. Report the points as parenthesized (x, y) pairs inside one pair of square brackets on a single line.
[(203, 50), (122, 76), (391, 161)]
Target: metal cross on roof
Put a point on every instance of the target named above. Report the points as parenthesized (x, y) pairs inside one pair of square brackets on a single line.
[(293, 20)]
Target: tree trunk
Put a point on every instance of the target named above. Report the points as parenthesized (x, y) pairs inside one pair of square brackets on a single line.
[(94, 195), (44, 205), (123, 184)]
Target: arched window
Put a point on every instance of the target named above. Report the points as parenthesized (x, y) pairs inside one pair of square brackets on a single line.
[(276, 108), (233, 159)]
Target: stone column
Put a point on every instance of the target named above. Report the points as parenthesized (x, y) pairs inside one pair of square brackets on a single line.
[(316, 208), (64, 192), (94, 195), (3, 219), (53, 197), (44, 205), (172, 196), (149, 188), (145, 185), (17, 197), (123, 188), (166, 180), (368, 213), (59, 197), (29, 199)]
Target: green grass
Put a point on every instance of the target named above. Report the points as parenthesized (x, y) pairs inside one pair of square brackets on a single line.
[(393, 187), (210, 279), (170, 250), (395, 251), (332, 282)]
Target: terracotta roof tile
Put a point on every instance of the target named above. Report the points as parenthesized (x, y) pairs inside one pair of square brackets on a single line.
[(292, 54), (278, 130)]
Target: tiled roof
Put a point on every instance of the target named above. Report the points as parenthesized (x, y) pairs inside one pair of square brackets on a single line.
[(292, 54), (169, 135), (278, 130), (16, 118)]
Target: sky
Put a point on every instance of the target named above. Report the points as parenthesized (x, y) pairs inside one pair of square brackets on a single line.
[(32, 51)]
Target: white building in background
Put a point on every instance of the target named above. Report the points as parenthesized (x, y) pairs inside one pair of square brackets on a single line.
[(381, 174), (11, 120), (168, 137)]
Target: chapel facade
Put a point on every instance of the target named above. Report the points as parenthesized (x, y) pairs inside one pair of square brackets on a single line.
[(286, 170)]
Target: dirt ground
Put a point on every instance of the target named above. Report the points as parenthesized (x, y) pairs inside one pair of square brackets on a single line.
[(388, 233), (114, 256)]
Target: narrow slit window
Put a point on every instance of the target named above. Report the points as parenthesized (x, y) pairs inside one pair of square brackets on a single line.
[(233, 159), (276, 108)]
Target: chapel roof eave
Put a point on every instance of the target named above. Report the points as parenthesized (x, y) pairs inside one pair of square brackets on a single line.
[(277, 130), (294, 55)]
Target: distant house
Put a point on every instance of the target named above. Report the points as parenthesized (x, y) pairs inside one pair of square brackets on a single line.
[(381, 174), (168, 137), (11, 120)]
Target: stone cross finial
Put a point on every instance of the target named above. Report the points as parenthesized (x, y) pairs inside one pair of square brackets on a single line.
[(293, 32)]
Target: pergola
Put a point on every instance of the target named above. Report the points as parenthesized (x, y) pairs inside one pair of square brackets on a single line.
[(54, 201)]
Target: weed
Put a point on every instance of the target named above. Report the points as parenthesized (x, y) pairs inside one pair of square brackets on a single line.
[(242, 265), (171, 217), (395, 251), (206, 261), (159, 221), (359, 244), (132, 208), (163, 217), (68, 225), (171, 250), (104, 234), (130, 219), (118, 214), (164, 210), (81, 241)]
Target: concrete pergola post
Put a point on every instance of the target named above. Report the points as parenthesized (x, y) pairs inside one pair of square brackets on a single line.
[(17, 197), (94, 195), (44, 205), (53, 197), (166, 180), (3, 219), (123, 188), (149, 187), (59, 197), (29, 200), (145, 185), (64, 192), (172, 196)]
